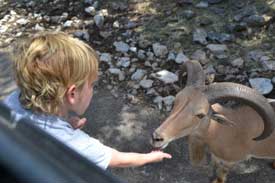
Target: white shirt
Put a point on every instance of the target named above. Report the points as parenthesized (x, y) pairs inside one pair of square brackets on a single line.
[(77, 139)]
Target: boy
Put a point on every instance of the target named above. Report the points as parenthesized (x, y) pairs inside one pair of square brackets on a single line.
[(55, 74)]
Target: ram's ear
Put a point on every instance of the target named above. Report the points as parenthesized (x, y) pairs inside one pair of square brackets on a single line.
[(222, 119)]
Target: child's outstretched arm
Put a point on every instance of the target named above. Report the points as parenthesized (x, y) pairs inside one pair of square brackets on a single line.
[(131, 159)]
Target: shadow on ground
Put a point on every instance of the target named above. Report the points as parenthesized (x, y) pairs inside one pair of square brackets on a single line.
[(128, 128)]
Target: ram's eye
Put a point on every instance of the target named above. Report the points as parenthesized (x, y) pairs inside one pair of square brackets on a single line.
[(201, 115)]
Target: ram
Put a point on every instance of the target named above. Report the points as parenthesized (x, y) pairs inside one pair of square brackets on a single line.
[(231, 134)]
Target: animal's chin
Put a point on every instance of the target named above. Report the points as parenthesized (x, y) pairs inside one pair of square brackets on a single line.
[(161, 147)]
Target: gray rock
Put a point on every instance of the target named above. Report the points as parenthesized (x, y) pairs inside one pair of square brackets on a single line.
[(99, 20), (268, 64), (188, 14), (257, 20), (95, 4), (168, 100), (245, 12), (146, 83), (116, 24), (158, 100), (262, 85), (68, 23), (166, 76), (150, 55), (105, 57), (141, 54), (220, 37), (152, 92), (202, 4), (82, 35), (138, 75), (273, 80), (171, 56), (90, 10), (143, 43), (123, 62), (160, 50), (115, 71), (238, 62), (217, 48), (133, 49), (255, 55), (121, 47), (199, 55), (22, 21), (181, 58), (37, 27), (200, 35), (3, 28)]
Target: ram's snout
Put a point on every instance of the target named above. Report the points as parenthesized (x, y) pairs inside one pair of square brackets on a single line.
[(158, 140)]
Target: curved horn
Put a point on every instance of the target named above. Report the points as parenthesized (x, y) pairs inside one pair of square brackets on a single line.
[(227, 90), (195, 74)]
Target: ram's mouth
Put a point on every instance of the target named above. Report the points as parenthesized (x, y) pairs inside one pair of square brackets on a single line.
[(159, 147)]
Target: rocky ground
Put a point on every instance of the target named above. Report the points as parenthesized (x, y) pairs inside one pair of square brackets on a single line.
[(142, 45)]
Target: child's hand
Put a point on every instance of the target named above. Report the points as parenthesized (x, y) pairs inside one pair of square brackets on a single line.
[(76, 122), (156, 156)]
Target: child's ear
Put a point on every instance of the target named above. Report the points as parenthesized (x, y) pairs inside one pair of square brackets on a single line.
[(71, 94)]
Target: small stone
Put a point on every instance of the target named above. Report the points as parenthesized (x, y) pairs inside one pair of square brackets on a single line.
[(90, 10), (268, 64), (68, 23), (199, 55), (166, 76), (169, 100), (171, 56), (124, 62), (188, 14), (217, 48), (138, 75), (202, 4), (181, 58), (199, 36), (116, 24), (121, 47), (160, 50), (141, 54), (262, 85), (99, 20), (22, 21), (239, 62), (146, 83), (105, 57), (158, 100)]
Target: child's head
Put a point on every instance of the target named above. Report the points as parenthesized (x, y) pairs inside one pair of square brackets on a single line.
[(48, 65)]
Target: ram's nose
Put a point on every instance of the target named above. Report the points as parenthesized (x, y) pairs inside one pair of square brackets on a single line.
[(157, 140)]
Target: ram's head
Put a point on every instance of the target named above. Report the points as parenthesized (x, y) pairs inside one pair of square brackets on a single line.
[(192, 107)]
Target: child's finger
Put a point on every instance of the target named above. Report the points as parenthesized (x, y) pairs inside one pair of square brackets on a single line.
[(166, 155)]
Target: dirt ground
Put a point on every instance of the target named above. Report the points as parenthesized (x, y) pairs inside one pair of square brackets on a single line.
[(128, 127)]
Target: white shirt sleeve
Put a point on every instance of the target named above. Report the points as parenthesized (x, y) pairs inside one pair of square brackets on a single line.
[(90, 147)]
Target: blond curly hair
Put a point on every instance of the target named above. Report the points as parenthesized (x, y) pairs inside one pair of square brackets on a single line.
[(47, 64)]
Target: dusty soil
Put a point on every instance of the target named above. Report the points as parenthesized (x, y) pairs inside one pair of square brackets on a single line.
[(128, 128)]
